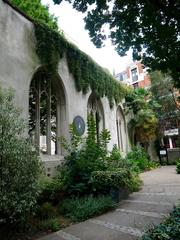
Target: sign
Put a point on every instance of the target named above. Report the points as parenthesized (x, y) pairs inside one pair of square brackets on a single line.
[(79, 125), (171, 132), (163, 152)]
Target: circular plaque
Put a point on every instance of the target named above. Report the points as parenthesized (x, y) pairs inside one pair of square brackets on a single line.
[(79, 125)]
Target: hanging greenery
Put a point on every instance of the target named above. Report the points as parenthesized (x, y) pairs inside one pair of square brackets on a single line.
[(52, 46)]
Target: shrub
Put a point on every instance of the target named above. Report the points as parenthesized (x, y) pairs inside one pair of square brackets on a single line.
[(104, 181), (83, 159), (134, 182), (79, 209), (46, 210), (89, 168), (169, 229), (138, 159), (52, 224), (19, 165), (115, 160), (51, 189), (178, 166), (153, 165)]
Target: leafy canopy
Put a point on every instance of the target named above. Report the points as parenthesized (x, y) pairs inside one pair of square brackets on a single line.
[(150, 28), (164, 101), (144, 121)]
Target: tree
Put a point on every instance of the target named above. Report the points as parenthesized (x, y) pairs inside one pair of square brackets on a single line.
[(165, 102), (19, 165), (151, 28), (164, 93), (144, 122)]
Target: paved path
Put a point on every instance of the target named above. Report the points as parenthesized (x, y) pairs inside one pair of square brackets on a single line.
[(141, 210)]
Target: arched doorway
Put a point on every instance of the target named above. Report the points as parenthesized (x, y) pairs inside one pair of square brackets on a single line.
[(121, 129), (95, 108), (47, 115)]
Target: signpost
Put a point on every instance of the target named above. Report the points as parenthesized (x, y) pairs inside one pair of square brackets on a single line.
[(163, 154)]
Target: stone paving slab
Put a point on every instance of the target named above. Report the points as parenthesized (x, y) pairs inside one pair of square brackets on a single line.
[(161, 188), (53, 236), (155, 198), (90, 230), (130, 219), (140, 211), (161, 175), (146, 206)]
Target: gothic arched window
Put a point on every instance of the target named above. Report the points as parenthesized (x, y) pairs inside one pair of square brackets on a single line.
[(46, 112)]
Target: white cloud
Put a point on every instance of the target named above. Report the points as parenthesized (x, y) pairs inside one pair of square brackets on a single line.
[(71, 22)]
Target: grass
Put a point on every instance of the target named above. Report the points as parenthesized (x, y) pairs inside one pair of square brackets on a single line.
[(79, 209)]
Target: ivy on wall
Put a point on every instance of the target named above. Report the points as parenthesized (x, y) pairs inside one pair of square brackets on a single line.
[(52, 46)]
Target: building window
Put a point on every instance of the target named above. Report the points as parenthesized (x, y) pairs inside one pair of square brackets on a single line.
[(46, 112), (134, 74), (171, 142), (121, 76), (124, 76), (95, 108)]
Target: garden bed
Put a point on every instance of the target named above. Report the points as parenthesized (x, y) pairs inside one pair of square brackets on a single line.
[(167, 230)]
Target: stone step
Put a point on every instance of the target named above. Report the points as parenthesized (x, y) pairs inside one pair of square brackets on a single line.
[(162, 189), (137, 220), (52, 236), (142, 213), (154, 197), (94, 230), (146, 206)]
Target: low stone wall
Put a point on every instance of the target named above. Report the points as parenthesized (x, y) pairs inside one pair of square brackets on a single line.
[(50, 163), (173, 155)]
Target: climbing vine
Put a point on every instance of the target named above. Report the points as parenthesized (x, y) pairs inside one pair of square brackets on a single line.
[(52, 46)]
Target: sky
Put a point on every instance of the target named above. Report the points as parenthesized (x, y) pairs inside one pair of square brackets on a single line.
[(71, 22)]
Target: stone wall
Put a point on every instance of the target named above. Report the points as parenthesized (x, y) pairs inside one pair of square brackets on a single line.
[(18, 64), (173, 155)]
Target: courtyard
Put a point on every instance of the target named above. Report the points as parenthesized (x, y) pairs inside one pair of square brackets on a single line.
[(89, 151)]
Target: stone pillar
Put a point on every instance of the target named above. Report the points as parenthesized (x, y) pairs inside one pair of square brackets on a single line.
[(48, 133), (37, 116), (120, 132), (170, 143), (117, 126), (58, 126)]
